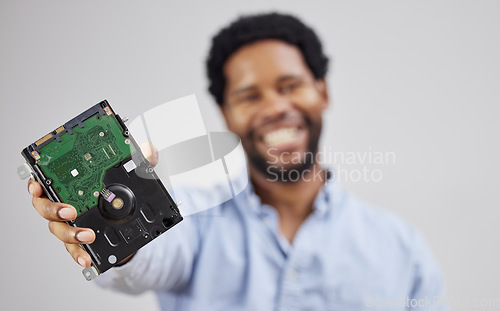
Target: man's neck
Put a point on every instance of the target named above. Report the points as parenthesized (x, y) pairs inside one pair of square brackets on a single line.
[(293, 200)]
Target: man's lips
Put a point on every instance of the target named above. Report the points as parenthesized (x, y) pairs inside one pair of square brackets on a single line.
[(281, 136), (284, 134)]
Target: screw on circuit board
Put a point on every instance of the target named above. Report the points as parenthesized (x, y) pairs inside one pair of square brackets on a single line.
[(48, 181), (125, 133)]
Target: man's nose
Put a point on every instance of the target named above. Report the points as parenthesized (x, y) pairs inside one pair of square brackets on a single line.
[(275, 105)]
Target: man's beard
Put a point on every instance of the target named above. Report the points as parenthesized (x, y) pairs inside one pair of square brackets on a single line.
[(281, 173)]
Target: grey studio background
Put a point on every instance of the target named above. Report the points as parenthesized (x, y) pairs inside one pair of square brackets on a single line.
[(419, 79)]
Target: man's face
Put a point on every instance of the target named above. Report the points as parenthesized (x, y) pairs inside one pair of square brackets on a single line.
[(274, 104)]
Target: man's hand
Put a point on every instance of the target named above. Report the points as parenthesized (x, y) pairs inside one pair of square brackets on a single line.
[(58, 213)]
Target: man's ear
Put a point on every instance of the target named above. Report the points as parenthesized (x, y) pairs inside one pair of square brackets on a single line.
[(323, 91)]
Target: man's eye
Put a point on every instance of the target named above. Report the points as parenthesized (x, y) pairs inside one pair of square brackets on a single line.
[(250, 98), (289, 87)]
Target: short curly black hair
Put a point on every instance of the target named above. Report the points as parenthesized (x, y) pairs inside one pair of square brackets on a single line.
[(251, 28)]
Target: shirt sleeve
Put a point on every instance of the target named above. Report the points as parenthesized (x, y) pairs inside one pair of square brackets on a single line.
[(163, 264), (428, 285)]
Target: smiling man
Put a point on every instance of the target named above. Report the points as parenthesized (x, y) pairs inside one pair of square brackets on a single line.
[(293, 239), (274, 103)]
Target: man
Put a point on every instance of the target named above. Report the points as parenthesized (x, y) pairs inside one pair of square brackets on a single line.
[(293, 239)]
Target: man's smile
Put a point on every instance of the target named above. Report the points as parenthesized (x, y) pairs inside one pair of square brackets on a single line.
[(280, 136), (289, 133)]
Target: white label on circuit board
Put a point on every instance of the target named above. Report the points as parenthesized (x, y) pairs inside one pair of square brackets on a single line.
[(129, 166)]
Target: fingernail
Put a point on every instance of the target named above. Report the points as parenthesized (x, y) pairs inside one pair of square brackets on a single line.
[(84, 236), (81, 261), (66, 213), (30, 189)]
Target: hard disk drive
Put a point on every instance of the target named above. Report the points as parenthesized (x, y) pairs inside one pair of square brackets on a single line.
[(93, 163)]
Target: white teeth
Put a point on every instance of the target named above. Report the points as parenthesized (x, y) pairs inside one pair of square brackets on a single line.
[(281, 136)]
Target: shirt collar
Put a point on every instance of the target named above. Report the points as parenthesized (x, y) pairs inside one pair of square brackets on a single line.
[(322, 203)]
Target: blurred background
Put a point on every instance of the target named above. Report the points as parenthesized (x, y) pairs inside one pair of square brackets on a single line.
[(418, 80)]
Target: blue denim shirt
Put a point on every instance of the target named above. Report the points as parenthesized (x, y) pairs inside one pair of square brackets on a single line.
[(346, 256)]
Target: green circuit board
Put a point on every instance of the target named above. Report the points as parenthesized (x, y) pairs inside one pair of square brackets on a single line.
[(77, 163)]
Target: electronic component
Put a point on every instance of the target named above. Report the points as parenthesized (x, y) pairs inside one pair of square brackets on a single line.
[(93, 163), (108, 195)]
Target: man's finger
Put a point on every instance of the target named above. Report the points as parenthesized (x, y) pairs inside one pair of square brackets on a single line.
[(34, 188), (72, 235), (150, 152), (78, 254), (52, 210), (48, 209)]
